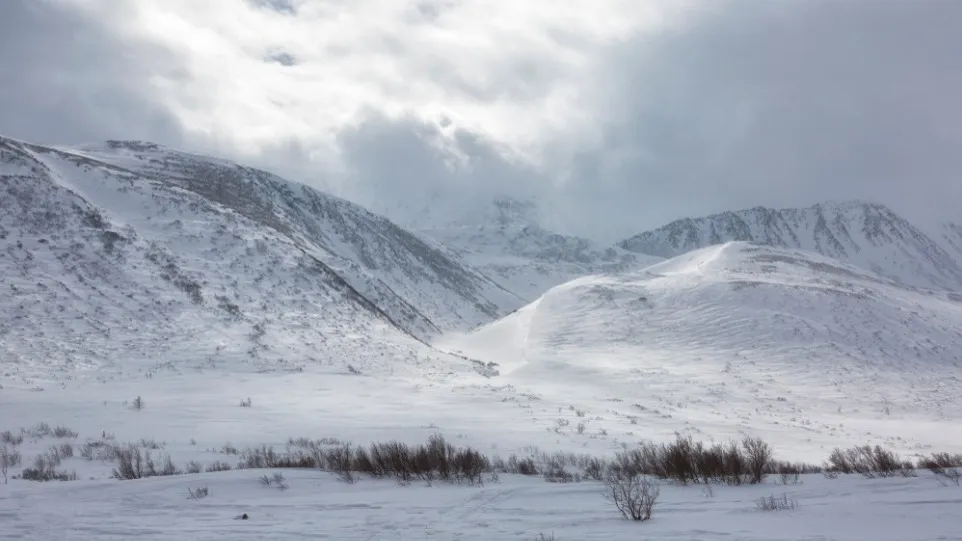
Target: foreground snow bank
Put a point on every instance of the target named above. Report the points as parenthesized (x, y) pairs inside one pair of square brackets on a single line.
[(316, 506)]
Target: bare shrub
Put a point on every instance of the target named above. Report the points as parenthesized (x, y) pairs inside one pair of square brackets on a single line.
[(945, 467), (521, 466), (63, 432), (340, 460), (245, 403), (544, 537), (151, 444), (788, 477), (11, 438), (595, 469), (138, 404), (132, 464), (758, 455), (633, 494), (45, 469), (9, 458), (198, 493), (870, 462), (193, 467), (98, 450), (277, 481), (167, 467), (774, 503), (218, 466), (555, 472)]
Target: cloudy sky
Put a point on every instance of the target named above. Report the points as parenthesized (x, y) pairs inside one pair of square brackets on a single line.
[(617, 115)]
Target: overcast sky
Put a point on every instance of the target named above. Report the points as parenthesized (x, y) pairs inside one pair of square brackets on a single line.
[(617, 115)]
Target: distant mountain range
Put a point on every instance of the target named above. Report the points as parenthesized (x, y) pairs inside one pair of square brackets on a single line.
[(868, 235)]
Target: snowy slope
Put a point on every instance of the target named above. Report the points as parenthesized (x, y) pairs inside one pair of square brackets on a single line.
[(130, 252), (868, 235), (740, 335), (508, 244)]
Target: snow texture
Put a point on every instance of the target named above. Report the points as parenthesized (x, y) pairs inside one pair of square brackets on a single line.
[(132, 254)]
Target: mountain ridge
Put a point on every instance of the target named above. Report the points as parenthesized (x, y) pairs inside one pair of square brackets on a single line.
[(218, 259), (869, 235)]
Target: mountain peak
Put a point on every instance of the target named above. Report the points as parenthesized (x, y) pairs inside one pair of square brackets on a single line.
[(864, 233)]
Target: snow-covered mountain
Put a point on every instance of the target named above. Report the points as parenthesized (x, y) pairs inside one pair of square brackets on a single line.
[(132, 250), (508, 244), (868, 235), (764, 335)]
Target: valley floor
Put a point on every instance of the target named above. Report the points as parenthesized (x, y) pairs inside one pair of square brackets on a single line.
[(316, 506), (192, 417)]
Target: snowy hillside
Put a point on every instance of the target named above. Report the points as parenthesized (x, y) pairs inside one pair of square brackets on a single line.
[(130, 252), (742, 336), (868, 235), (508, 244)]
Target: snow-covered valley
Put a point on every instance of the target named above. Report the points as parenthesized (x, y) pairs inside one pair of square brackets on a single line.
[(246, 310)]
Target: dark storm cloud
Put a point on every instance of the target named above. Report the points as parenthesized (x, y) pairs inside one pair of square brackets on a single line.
[(416, 169), (786, 103), (64, 80)]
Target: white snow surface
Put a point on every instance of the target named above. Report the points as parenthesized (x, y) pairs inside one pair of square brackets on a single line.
[(131, 256), (193, 416), (528, 260), (745, 338), (317, 506), (104, 250), (868, 235)]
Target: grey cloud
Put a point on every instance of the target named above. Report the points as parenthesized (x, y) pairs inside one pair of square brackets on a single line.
[(775, 103), (751, 102), (788, 103), (64, 80), (408, 168)]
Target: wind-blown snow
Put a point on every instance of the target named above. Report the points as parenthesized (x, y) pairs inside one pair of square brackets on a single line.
[(739, 337)]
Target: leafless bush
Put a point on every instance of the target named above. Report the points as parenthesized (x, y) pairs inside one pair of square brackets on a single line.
[(521, 466), (633, 494), (774, 503), (949, 475), (151, 444), (686, 461), (245, 403), (544, 537), (944, 466), (870, 462), (98, 450), (218, 466), (556, 473), (132, 464), (63, 432), (45, 469), (229, 449), (340, 460), (9, 458), (788, 477), (277, 481), (198, 494), (595, 470), (11, 438), (758, 455), (138, 403)]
